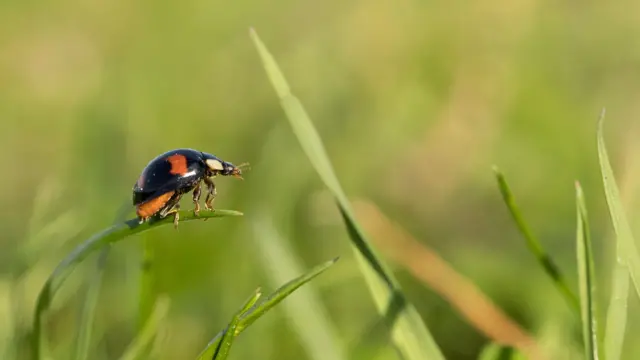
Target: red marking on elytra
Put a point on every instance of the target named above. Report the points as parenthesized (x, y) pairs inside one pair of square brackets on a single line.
[(150, 207), (178, 164)]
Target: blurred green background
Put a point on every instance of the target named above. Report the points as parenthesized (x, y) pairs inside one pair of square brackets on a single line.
[(415, 102)]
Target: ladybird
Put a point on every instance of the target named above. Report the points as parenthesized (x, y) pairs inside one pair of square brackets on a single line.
[(169, 176)]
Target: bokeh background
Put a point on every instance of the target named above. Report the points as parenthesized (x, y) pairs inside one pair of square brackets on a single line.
[(415, 101)]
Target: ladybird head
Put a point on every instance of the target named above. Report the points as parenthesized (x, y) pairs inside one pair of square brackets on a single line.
[(232, 170), (217, 166)]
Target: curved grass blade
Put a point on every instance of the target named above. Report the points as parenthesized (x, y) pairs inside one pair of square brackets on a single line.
[(258, 310), (586, 272), (409, 332), (222, 351), (148, 332), (284, 291), (627, 258), (108, 236), (534, 245), (87, 316)]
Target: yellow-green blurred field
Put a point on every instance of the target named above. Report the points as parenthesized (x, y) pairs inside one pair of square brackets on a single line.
[(415, 102)]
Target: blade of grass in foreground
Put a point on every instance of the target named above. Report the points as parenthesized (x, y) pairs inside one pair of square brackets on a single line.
[(87, 314), (534, 245), (108, 236), (409, 332), (148, 332), (248, 317), (222, 351), (627, 258), (586, 274)]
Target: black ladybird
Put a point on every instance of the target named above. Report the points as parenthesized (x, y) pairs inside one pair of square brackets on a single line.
[(171, 175)]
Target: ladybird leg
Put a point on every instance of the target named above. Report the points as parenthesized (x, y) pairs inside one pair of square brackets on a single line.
[(169, 207), (211, 187), (196, 199), (172, 210), (176, 216), (172, 207)]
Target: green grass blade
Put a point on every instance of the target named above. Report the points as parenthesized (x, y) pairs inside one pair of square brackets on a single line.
[(616, 321), (87, 316), (586, 274), (148, 332), (284, 291), (108, 236), (495, 351), (627, 258), (549, 266), (145, 297), (409, 332), (223, 349), (85, 328), (250, 316)]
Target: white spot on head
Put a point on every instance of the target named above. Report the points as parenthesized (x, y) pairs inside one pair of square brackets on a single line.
[(214, 164)]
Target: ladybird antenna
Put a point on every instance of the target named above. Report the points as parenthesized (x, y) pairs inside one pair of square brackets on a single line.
[(244, 166)]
